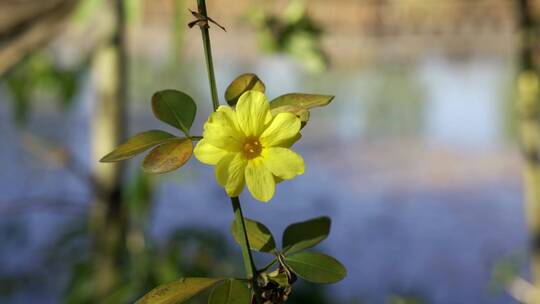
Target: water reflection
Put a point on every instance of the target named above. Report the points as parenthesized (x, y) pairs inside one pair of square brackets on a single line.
[(411, 162)]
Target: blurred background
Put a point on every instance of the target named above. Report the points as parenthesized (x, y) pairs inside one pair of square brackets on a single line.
[(416, 161)]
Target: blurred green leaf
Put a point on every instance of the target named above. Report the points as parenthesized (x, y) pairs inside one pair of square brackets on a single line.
[(137, 144), (259, 236), (304, 235), (305, 101), (168, 156), (179, 291), (174, 108), (241, 84), (316, 267), (230, 292), (293, 32)]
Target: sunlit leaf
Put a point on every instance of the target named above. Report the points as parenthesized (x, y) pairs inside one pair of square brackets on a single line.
[(299, 104), (259, 236), (137, 144), (316, 267), (304, 235), (174, 108), (306, 101), (178, 291), (230, 292), (299, 111), (168, 156), (241, 84)]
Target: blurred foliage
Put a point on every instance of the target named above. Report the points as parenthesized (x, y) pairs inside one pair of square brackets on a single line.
[(149, 263), (506, 270), (40, 76), (293, 32)]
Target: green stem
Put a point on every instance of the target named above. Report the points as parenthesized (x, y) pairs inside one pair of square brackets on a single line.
[(249, 264), (251, 270), (208, 56)]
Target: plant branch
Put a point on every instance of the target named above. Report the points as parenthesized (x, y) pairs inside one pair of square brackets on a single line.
[(208, 55), (249, 264)]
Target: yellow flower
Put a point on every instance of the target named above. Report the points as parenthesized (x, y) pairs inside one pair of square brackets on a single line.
[(250, 146)]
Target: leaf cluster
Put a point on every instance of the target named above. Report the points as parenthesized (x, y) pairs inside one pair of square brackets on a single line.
[(169, 152), (178, 109), (292, 260)]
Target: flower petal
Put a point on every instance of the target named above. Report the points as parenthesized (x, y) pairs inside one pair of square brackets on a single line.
[(220, 132), (207, 153), (252, 110), (231, 116), (291, 141), (283, 162), (283, 128), (235, 181), (259, 180), (222, 169)]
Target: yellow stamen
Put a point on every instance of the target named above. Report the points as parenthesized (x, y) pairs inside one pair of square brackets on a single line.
[(252, 148)]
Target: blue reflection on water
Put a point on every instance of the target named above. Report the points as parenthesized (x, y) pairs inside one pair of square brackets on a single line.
[(402, 221)]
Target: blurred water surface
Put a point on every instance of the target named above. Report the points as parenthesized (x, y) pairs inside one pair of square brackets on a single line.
[(415, 163)]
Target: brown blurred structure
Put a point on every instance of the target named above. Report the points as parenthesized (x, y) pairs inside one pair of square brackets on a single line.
[(387, 29), (27, 25), (384, 29)]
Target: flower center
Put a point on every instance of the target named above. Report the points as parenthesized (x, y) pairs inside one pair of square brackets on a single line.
[(252, 148)]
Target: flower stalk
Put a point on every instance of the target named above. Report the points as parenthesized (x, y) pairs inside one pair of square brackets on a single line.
[(208, 55), (249, 264)]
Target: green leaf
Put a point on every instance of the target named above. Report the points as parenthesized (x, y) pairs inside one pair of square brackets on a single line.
[(259, 236), (174, 108), (299, 111), (241, 84), (316, 267), (168, 156), (137, 144), (304, 235), (178, 291), (305, 101), (299, 104), (230, 292)]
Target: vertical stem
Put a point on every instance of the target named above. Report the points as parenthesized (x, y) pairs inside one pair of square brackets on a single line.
[(241, 225), (528, 89), (249, 264), (208, 56)]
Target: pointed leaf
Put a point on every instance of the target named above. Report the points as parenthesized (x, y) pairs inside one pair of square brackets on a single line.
[(316, 267), (304, 235), (230, 292), (178, 291), (137, 144), (241, 84), (306, 101), (299, 104), (174, 108), (259, 236), (168, 156)]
